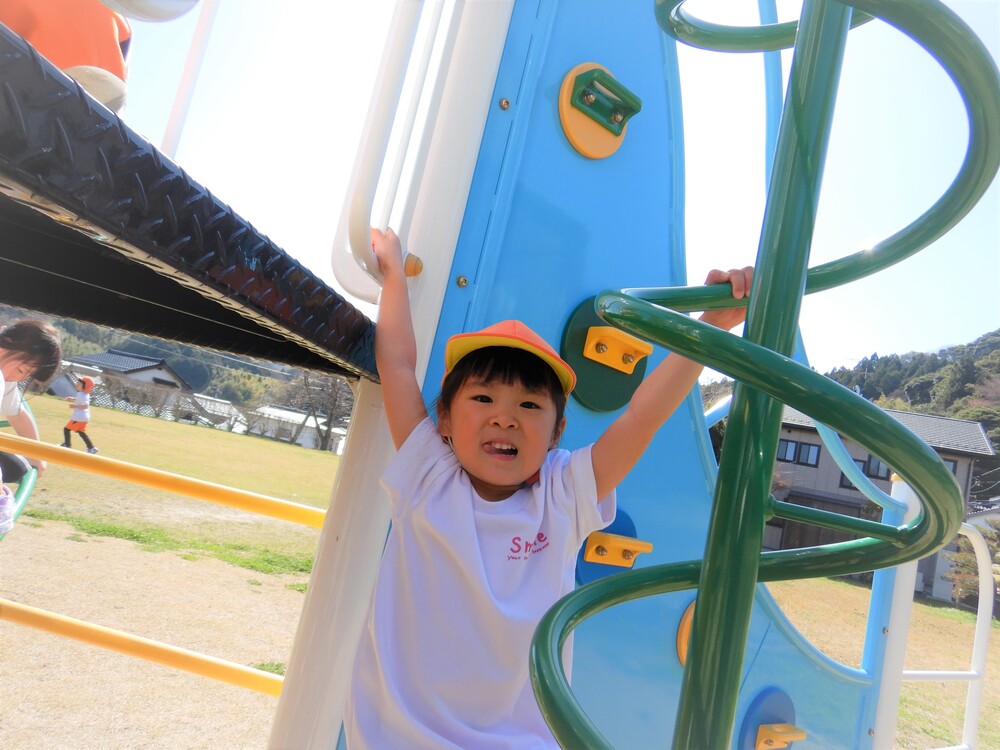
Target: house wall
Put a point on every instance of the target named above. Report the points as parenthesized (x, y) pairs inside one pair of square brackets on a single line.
[(147, 376), (819, 487), (824, 479)]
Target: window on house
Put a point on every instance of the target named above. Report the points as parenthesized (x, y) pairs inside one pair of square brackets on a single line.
[(791, 451), (786, 450), (876, 469), (953, 465), (808, 454), (846, 483)]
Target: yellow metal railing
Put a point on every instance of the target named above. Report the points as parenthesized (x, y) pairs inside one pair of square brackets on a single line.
[(133, 645), (126, 643), (164, 480)]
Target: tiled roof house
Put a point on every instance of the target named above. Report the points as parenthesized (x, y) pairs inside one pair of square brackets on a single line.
[(806, 474), (136, 367)]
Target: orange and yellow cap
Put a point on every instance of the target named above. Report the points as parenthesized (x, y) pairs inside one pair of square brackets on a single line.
[(513, 334)]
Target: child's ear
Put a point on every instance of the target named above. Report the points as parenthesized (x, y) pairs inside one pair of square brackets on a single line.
[(557, 433), (444, 421)]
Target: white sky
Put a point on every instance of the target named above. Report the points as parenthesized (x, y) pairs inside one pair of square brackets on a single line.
[(285, 84)]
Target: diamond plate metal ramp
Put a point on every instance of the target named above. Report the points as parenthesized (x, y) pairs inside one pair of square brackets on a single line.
[(97, 225)]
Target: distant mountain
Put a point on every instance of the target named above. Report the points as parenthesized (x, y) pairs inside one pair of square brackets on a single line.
[(960, 381)]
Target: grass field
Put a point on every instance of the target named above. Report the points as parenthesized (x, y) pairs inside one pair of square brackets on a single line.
[(830, 613), (251, 463)]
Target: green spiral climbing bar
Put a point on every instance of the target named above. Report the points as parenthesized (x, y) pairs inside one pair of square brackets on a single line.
[(694, 32), (824, 400), (767, 378), (971, 67)]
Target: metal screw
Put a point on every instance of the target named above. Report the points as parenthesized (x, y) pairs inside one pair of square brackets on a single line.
[(589, 97), (885, 631), (617, 117), (628, 554), (628, 358), (601, 550), (505, 103), (871, 732), (462, 282), (601, 348)]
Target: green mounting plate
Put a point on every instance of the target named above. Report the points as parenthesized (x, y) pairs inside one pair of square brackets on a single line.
[(598, 387)]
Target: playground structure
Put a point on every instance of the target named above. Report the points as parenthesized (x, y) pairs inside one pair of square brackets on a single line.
[(543, 202)]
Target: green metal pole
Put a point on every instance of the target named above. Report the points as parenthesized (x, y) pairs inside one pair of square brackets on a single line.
[(729, 574)]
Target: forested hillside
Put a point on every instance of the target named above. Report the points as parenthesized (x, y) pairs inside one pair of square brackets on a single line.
[(961, 382)]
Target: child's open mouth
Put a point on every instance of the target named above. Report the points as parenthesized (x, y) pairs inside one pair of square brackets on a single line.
[(502, 449)]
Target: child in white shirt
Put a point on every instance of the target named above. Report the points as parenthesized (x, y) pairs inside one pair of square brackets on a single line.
[(488, 516), (80, 418), (29, 350)]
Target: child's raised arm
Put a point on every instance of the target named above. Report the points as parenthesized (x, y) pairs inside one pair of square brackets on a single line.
[(395, 347), (626, 439)]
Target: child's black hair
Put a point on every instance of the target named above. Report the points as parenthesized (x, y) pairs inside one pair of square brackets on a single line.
[(508, 365), (38, 343)]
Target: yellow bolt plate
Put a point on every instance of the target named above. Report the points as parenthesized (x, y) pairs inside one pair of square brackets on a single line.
[(777, 736), (620, 551), (614, 348)]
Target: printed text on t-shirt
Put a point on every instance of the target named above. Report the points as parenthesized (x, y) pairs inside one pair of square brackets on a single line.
[(522, 549)]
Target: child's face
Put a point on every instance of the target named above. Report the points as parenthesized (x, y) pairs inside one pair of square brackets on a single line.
[(500, 433), (16, 368)]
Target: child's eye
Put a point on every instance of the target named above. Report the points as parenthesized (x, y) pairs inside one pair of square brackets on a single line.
[(482, 398), (530, 405)]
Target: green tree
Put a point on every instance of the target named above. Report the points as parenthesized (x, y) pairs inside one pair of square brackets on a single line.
[(328, 398), (888, 375), (73, 346), (919, 388), (896, 404), (965, 573), (238, 386), (957, 381), (989, 366)]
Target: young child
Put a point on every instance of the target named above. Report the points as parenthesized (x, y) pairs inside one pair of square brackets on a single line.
[(28, 349), (487, 520), (80, 418)]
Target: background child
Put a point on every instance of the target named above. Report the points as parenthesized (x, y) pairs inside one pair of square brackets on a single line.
[(487, 520), (80, 418), (28, 349)]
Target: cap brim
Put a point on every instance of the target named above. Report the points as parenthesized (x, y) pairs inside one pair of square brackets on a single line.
[(464, 343)]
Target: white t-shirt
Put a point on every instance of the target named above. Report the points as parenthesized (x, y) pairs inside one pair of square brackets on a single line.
[(10, 401), (443, 660), (81, 407), (7, 503)]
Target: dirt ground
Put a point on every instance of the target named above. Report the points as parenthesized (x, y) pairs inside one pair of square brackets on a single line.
[(60, 694)]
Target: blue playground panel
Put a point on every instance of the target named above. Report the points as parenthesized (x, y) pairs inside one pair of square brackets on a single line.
[(545, 228)]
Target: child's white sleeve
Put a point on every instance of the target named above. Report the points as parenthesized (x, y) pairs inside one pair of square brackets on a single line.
[(416, 464), (6, 510)]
